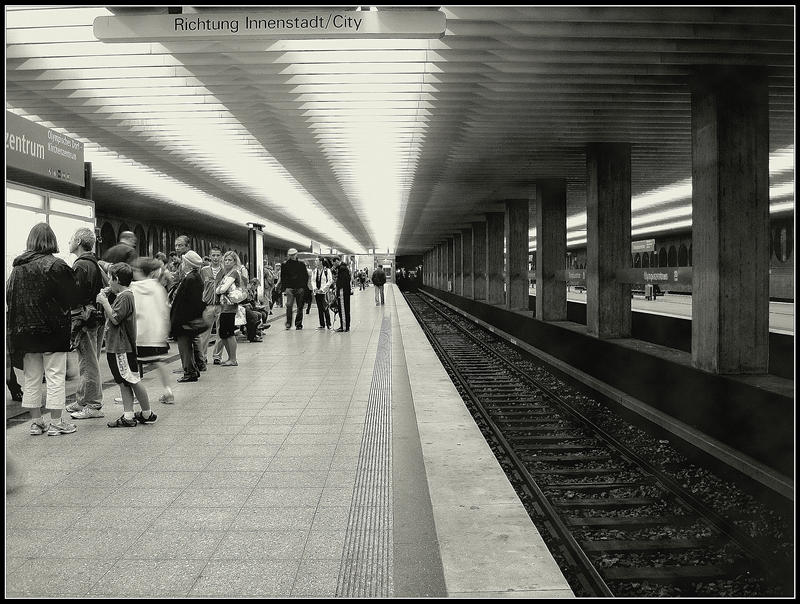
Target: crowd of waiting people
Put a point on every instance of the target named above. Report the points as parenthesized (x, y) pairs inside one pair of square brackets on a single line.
[(134, 306)]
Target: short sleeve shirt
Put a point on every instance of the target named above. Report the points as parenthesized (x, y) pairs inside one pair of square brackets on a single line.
[(121, 337)]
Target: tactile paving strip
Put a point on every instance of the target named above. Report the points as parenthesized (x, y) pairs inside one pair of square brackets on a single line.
[(366, 568)]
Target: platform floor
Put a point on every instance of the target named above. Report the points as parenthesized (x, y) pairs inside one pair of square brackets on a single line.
[(326, 464)]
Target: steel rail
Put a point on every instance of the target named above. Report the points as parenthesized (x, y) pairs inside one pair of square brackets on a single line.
[(746, 543)]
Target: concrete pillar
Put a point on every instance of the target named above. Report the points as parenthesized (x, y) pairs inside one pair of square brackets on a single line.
[(515, 227), (730, 220), (466, 262), (479, 260), (438, 255), (442, 268), (608, 213), (458, 270), (448, 284), (551, 247), (495, 257)]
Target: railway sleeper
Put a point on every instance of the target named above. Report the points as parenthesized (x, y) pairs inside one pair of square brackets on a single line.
[(573, 459), (629, 523), (605, 502), (668, 574), (558, 433), (647, 545), (532, 446), (600, 486)]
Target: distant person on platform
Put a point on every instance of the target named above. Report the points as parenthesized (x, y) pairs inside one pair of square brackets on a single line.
[(187, 306), (294, 281), (343, 292), (379, 280), (124, 251)]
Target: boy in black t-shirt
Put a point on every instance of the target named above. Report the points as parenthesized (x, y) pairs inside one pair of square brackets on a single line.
[(120, 338)]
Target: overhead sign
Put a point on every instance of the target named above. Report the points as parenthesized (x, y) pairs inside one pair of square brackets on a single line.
[(285, 24), (576, 277), (646, 245), (665, 274), (43, 151)]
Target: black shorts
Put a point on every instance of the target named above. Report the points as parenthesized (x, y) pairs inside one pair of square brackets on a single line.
[(226, 325), (124, 367)]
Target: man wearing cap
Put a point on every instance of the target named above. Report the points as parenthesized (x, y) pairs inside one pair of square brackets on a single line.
[(124, 251), (294, 280), (187, 306)]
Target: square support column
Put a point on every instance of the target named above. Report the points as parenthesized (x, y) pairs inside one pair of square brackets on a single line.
[(495, 258), (551, 248), (439, 266), (608, 246), (466, 263), (516, 234), (448, 285), (730, 220), (479, 260), (458, 274)]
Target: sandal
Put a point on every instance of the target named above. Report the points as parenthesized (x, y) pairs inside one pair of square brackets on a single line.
[(230, 364)]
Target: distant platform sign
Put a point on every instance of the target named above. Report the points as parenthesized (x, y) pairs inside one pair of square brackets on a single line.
[(645, 245), (43, 151), (572, 276), (663, 275), (286, 24)]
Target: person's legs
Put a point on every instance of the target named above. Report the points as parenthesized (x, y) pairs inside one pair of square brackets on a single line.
[(33, 367), (187, 356), (298, 321), (377, 298), (230, 347), (289, 306), (320, 308), (55, 372), (163, 376), (199, 354), (89, 387), (205, 337), (346, 312), (381, 288)]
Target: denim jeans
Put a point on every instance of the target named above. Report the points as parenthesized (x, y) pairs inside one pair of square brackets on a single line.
[(90, 389), (54, 367), (379, 288), (293, 295)]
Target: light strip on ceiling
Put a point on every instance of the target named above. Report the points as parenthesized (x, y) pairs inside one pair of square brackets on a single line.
[(196, 130)]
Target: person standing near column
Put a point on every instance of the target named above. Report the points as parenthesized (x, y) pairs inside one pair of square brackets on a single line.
[(379, 280), (294, 280), (40, 293), (89, 281), (212, 276), (322, 281), (186, 307), (343, 292)]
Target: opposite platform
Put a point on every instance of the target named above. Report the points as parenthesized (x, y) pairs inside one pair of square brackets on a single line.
[(298, 473)]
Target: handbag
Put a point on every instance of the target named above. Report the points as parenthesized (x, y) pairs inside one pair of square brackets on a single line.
[(231, 294), (241, 316)]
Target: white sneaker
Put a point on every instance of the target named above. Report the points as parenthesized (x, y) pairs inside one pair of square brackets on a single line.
[(61, 427), (73, 407), (87, 413), (37, 428)]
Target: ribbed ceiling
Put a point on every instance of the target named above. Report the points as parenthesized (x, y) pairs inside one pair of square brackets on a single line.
[(395, 143)]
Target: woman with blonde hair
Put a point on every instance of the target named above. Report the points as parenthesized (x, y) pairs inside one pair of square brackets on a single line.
[(230, 292)]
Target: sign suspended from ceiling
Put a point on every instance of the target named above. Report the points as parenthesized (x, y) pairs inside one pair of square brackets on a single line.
[(43, 151), (286, 24)]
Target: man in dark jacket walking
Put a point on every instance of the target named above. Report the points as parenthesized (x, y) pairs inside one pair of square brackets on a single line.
[(379, 280), (188, 306), (343, 292), (89, 321), (294, 281), (124, 251)]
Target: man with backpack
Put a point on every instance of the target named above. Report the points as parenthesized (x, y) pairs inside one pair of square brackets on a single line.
[(379, 280), (87, 325)]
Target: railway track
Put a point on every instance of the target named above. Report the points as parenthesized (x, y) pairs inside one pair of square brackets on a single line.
[(617, 523)]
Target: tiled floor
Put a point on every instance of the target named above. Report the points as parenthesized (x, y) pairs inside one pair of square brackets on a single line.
[(242, 488)]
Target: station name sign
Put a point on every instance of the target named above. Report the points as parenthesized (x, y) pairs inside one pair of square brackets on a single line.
[(664, 274), (645, 245), (43, 151), (285, 24)]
